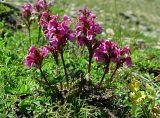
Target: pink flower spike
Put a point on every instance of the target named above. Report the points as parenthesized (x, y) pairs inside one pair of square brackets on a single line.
[(86, 27), (35, 57), (41, 5), (44, 51), (126, 51), (32, 49), (107, 50), (27, 11), (44, 20), (45, 15), (57, 32), (29, 62)]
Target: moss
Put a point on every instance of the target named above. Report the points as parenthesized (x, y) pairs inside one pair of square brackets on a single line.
[(4, 9), (1, 31)]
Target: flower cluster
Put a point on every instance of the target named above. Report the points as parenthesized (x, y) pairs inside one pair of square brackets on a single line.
[(37, 9), (35, 57), (109, 51), (86, 29), (40, 5), (57, 32), (27, 11), (44, 20), (126, 53)]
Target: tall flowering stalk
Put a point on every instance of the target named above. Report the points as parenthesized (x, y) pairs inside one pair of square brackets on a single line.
[(86, 30), (35, 58), (108, 52), (39, 7), (26, 15), (45, 18), (57, 33)]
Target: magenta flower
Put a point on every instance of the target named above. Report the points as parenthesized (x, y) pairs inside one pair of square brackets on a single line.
[(109, 51), (44, 20), (44, 51), (35, 57), (57, 32), (41, 5), (86, 29), (27, 11), (26, 15), (126, 52)]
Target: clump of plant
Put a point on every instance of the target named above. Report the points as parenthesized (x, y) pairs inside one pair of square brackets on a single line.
[(59, 33), (4, 9)]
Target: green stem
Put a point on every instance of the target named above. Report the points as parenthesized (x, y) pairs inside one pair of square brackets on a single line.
[(44, 77), (58, 73), (39, 34), (55, 56), (114, 72), (106, 69), (29, 34), (89, 65), (65, 69)]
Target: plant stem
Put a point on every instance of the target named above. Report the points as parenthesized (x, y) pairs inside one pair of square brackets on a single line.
[(89, 65), (58, 73), (29, 33), (39, 34), (44, 77), (114, 72), (105, 72), (55, 56), (65, 69)]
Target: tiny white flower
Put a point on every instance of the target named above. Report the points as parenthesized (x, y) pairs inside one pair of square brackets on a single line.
[(110, 32)]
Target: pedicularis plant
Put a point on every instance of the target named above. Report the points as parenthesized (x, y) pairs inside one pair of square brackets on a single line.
[(26, 15), (58, 33), (29, 10), (86, 30)]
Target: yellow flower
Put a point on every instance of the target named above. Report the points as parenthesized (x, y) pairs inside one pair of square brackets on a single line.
[(132, 95), (134, 85), (142, 95)]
